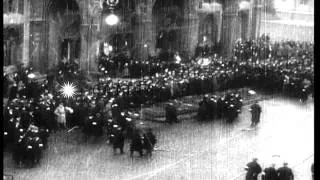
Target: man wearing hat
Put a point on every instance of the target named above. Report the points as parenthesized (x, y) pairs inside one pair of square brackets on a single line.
[(253, 170), (285, 173)]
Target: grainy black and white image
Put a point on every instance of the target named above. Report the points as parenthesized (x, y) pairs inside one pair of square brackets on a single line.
[(158, 89)]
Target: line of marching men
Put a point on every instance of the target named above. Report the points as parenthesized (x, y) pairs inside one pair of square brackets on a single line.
[(227, 106)]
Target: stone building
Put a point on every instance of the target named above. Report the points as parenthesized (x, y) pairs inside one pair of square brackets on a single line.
[(42, 32), (290, 20)]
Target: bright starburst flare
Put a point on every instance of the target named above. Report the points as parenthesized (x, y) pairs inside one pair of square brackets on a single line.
[(68, 90)]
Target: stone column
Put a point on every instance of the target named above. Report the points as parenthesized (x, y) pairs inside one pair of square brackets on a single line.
[(191, 26), (26, 33), (255, 18), (89, 31), (144, 32), (230, 32), (38, 36)]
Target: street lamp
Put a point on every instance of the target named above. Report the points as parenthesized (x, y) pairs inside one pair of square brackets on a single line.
[(112, 19)]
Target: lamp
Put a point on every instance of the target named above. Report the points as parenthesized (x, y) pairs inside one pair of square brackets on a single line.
[(112, 19)]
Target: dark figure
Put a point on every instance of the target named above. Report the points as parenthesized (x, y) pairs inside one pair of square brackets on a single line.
[(285, 173), (136, 143), (94, 126), (149, 140), (255, 111), (171, 113), (270, 173), (253, 170), (18, 153), (202, 111), (117, 140)]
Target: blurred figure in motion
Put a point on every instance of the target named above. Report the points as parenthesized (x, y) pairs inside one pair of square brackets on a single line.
[(253, 170)]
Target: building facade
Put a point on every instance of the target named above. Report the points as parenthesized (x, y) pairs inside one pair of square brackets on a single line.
[(291, 20), (45, 31)]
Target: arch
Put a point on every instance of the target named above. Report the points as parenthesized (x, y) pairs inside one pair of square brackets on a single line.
[(168, 19), (12, 44), (120, 36), (244, 24), (63, 28), (208, 28)]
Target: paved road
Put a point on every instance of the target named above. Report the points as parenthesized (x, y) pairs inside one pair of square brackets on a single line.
[(189, 150)]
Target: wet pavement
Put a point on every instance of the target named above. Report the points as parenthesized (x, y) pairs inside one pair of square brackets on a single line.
[(188, 150)]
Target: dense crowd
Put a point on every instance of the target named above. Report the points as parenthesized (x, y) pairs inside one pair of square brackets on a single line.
[(129, 68), (263, 48), (107, 106)]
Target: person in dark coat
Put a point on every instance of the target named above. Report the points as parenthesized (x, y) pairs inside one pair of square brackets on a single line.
[(253, 170), (285, 173), (255, 111), (149, 140), (117, 140), (136, 143), (270, 173), (171, 113)]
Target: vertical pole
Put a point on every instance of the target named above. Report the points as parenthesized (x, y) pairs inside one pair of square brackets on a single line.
[(68, 50), (26, 33)]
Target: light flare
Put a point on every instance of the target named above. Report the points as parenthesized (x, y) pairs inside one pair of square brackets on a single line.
[(68, 90)]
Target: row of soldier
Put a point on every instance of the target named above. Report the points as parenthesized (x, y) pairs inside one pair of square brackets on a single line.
[(263, 48), (227, 106), (128, 68)]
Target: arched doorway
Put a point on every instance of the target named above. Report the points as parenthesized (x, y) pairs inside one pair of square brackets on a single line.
[(168, 20), (119, 36), (12, 44), (208, 36), (208, 30), (244, 24), (64, 22)]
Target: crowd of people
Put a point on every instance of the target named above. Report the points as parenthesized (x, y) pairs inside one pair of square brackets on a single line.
[(228, 106), (129, 68), (107, 105), (269, 173), (263, 48)]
